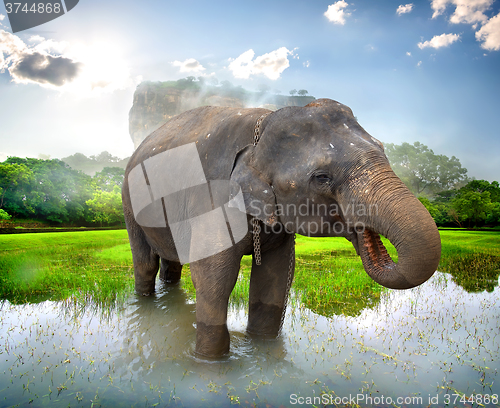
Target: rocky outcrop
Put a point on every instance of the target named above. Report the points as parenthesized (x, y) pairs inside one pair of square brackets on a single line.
[(156, 102)]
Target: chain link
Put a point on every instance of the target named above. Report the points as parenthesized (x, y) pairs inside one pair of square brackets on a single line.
[(289, 281), (256, 241), (256, 131)]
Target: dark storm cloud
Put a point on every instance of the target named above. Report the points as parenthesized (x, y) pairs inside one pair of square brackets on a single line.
[(44, 69)]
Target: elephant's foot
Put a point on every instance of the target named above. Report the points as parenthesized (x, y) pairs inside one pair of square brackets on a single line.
[(264, 319), (170, 272), (212, 341), (144, 288)]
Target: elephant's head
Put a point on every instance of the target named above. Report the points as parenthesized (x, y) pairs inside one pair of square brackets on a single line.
[(317, 172)]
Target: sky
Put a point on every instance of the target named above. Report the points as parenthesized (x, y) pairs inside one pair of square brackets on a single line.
[(426, 71)]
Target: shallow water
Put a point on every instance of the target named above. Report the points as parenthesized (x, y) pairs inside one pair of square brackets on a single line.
[(424, 346)]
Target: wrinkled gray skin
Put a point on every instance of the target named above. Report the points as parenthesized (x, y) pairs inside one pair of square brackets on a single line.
[(317, 154)]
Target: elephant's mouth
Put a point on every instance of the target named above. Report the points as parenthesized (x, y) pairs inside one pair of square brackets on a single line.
[(373, 253)]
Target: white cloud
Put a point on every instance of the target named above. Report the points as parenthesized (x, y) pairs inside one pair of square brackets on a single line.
[(189, 65), (407, 8), (473, 12), (466, 11), (1, 17), (439, 41), (271, 64), (408, 53), (48, 45), (27, 64), (242, 66), (11, 44), (80, 68), (336, 13), (419, 63), (489, 34)]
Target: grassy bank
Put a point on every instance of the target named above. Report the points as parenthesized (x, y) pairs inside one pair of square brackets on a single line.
[(472, 257), (329, 278), (40, 266)]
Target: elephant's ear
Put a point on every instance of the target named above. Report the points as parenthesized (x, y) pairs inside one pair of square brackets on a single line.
[(258, 195)]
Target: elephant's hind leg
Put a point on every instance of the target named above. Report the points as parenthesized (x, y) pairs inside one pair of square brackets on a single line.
[(268, 289), (146, 262), (170, 271)]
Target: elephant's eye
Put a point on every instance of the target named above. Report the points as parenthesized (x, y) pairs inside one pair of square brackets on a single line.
[(322, 178)]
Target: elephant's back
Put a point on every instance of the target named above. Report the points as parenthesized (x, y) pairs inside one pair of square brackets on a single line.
[(218, 133)]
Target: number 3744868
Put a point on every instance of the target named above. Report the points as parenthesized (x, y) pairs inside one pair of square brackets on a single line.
[(36, 8), (479, 399)]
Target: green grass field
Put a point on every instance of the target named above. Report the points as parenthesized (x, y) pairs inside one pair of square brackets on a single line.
[(472, 258), (96, 267), (58, 265)]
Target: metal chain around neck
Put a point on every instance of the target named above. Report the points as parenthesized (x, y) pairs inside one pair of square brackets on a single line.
[(255, 221), (256, 241), (256, 130)]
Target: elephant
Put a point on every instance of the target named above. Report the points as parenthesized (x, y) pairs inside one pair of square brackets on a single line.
[(309, 170)]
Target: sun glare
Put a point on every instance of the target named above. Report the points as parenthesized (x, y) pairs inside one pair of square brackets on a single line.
[(104, 68)]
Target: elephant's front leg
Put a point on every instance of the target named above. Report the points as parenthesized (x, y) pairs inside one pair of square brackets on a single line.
[(269, 285), (214, 279)]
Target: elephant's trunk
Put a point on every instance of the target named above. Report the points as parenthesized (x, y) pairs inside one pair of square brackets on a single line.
[(399, 216)]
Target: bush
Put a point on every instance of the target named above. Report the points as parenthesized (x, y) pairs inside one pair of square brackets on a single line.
[(4, 215)]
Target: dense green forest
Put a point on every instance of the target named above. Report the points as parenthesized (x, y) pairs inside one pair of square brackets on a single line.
[(86, 191), (51, 191), (93, 164), (442, 185)]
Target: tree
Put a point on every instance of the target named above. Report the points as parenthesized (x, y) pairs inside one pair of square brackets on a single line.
[(433, 211), (293, 92), (4, 215), (476, 202), (263, 88), (494, 214), (11, 176), (76, 161), (105, 158), (213, 81), (303, 92), (480, 186), (472, 206), (226, 84), (106, 206), (55, 192), (95, 163), (108, 178), (422, 170)]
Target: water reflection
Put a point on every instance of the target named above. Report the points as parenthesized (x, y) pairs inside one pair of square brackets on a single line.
[(475, 272), (422, 343)]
